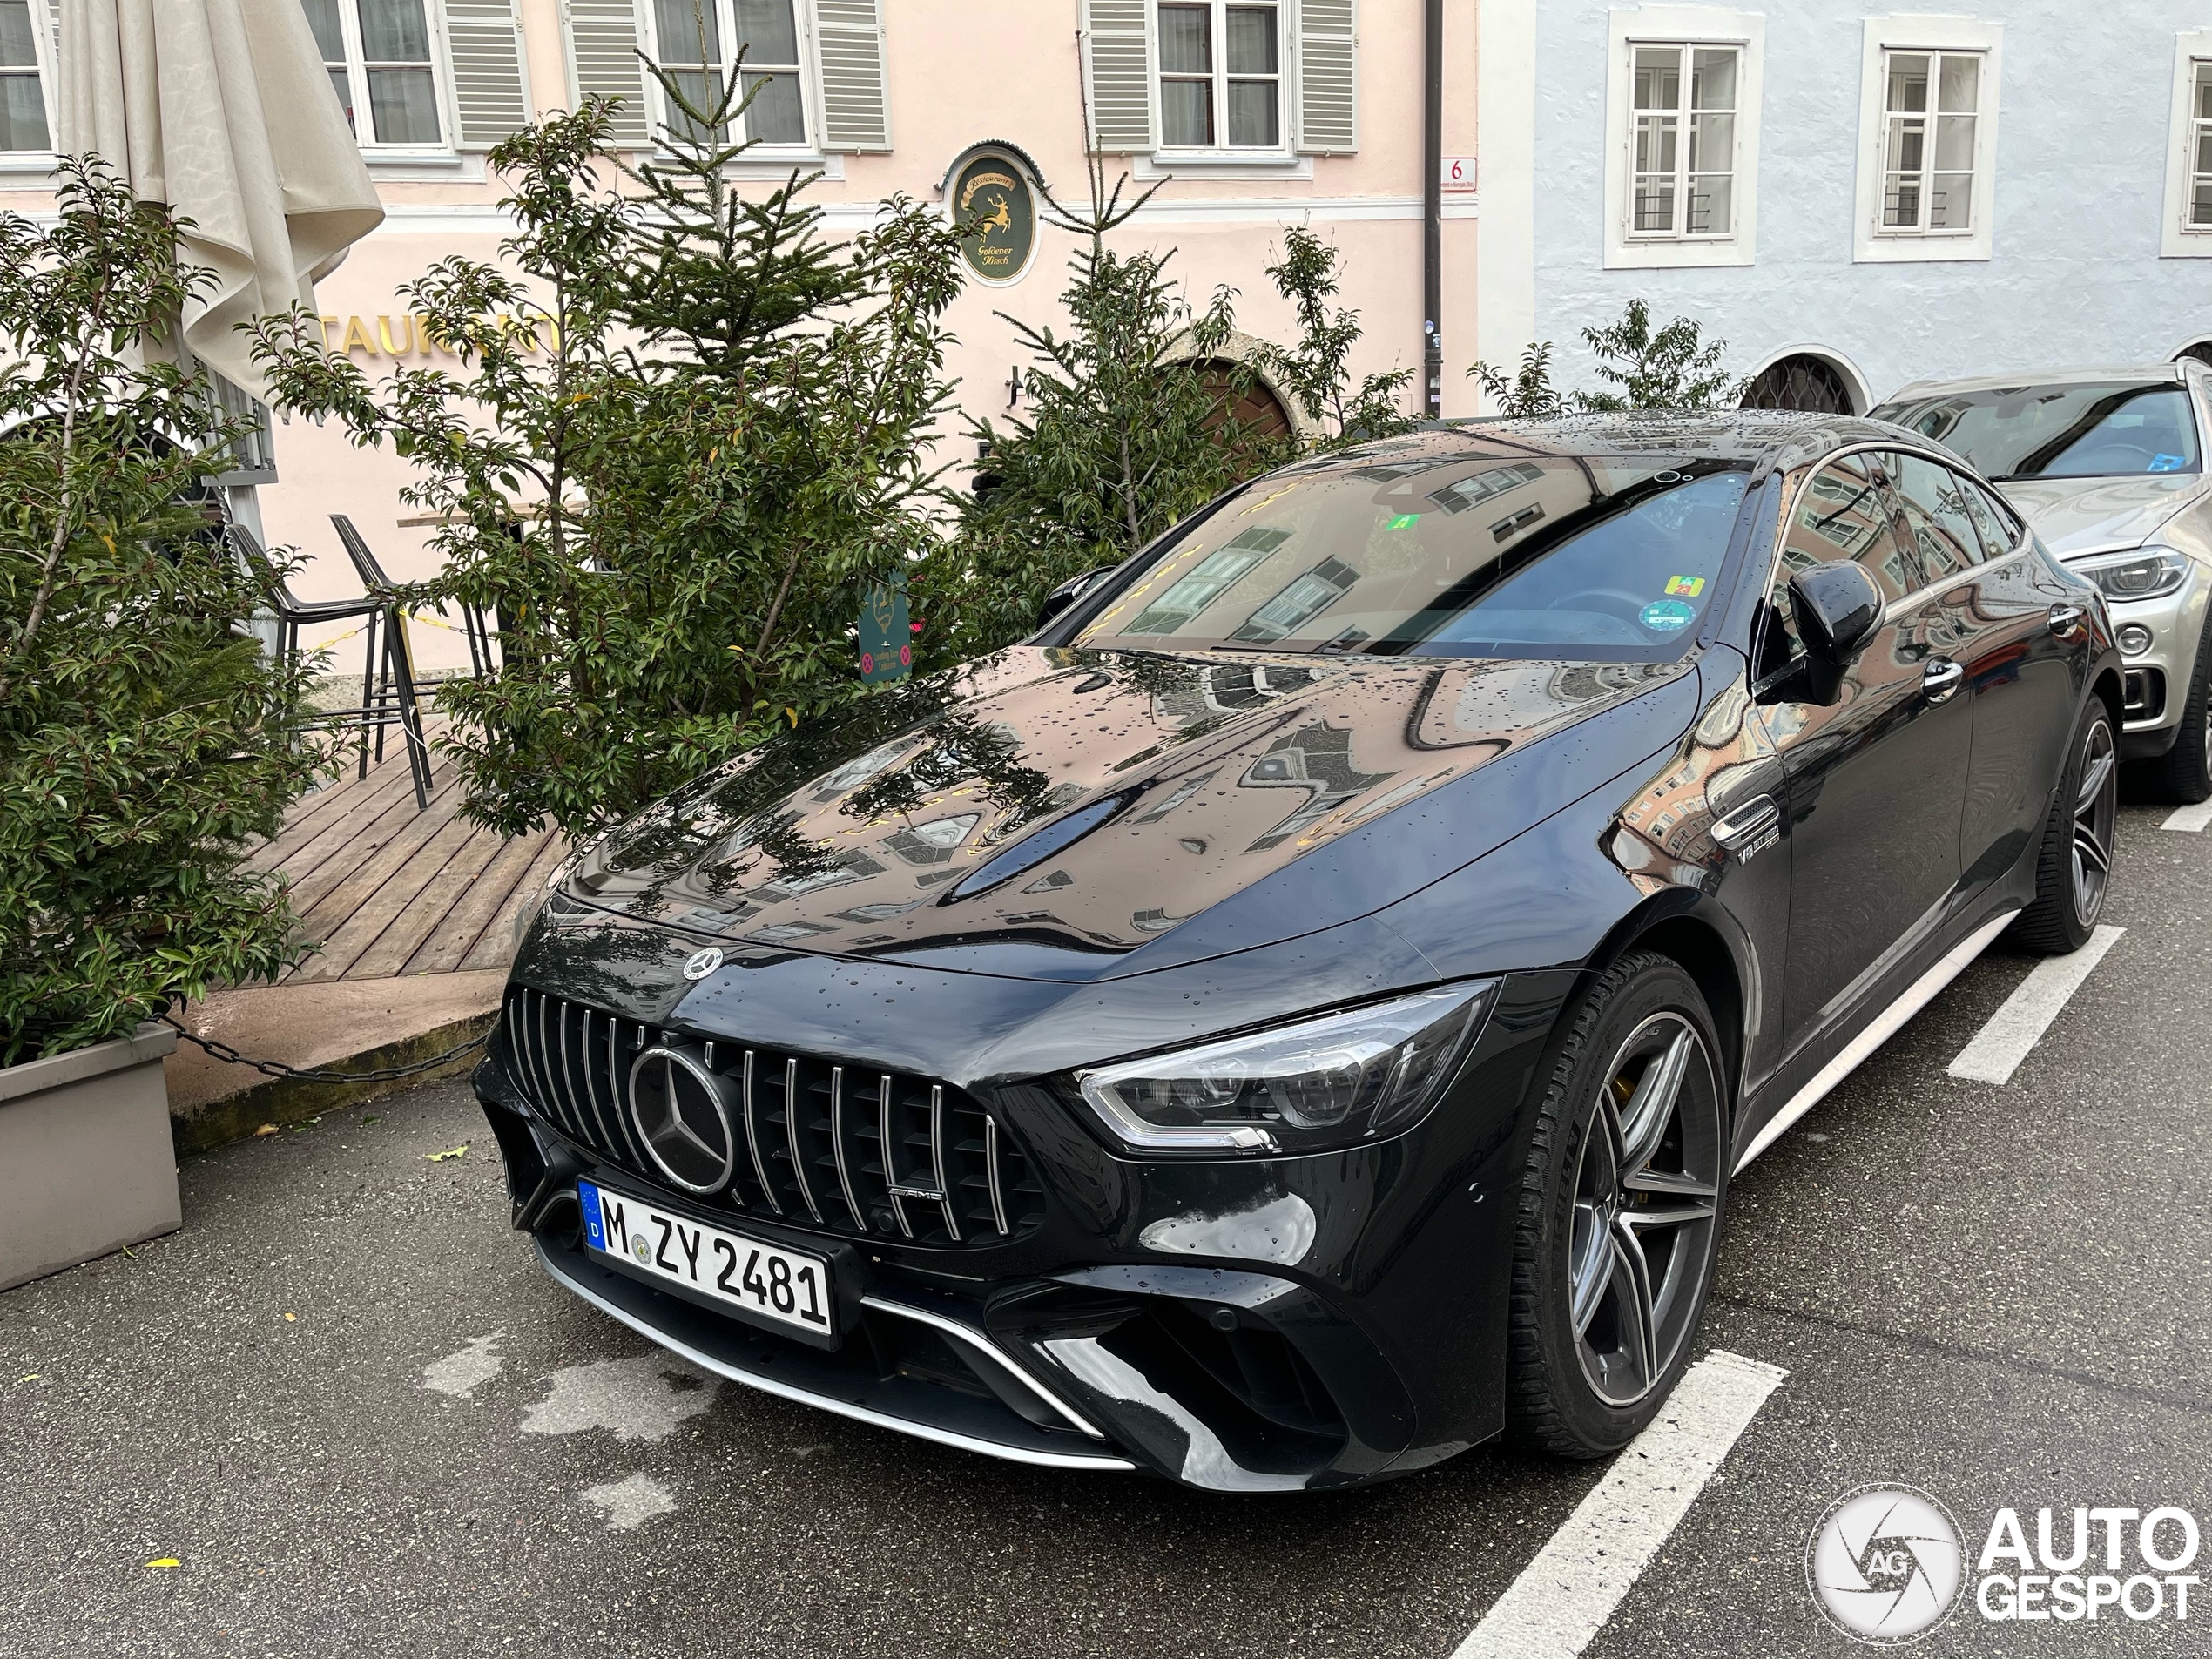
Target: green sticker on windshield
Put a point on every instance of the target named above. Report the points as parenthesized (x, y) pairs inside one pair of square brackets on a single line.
[(1403, 522), (1666, 616)]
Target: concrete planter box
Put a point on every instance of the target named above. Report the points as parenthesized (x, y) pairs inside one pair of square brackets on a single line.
[(85, 1164)]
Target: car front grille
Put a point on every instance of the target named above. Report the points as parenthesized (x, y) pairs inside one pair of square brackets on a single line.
[(954, 1177)]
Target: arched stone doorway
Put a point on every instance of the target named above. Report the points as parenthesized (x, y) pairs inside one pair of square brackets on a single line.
[(1800, 381), (2200, 349)]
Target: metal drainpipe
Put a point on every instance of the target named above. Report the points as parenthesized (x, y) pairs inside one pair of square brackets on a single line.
[(1432, 212)]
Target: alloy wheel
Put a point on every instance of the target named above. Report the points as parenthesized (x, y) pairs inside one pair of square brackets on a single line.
[(1647, 1198), (2096, 807)]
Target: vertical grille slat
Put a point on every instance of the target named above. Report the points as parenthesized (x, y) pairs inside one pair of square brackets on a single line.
[(791, 1139), (942, 1170), (753, 1138), (837, 1147)]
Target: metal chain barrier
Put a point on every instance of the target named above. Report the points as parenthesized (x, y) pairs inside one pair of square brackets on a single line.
[(222, 1051)]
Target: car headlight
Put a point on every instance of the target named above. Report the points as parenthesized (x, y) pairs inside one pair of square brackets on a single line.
[(1319, 1084), (2146, 573)]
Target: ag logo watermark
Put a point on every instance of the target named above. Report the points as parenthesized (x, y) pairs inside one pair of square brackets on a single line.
[(1886, 1564)]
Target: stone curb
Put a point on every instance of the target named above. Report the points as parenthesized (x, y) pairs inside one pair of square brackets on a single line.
[(284, 1101)]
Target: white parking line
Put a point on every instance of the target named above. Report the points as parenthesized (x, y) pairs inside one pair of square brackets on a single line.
[(2189, 818), (1564, 1598), (2000, 1045)]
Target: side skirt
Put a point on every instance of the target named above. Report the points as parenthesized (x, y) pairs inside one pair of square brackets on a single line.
[(1879, 1031)]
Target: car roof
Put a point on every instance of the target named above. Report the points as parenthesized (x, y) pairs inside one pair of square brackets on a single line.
[(2174, 373), (1763, 438)]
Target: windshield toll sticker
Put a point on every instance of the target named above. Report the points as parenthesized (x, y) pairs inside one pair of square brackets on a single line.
[(1402, 522), (2168, 463), (1666, 616), (1689, 586)]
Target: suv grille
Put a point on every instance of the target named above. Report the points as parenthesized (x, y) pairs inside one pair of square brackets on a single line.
[(953, 1177)]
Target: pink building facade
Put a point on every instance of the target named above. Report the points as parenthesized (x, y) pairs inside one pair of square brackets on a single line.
[(1249, 115)]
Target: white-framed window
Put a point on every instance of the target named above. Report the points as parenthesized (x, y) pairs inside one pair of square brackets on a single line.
[(384, 58), (1927, 138), (1682, 136), (2188, 230), (1222, 88), (25, 128), (697, 40), (1682, 161), (1221, 75), (1931, 109), (2197, 212)]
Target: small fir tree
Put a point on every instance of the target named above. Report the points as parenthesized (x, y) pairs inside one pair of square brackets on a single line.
[(677, 506)]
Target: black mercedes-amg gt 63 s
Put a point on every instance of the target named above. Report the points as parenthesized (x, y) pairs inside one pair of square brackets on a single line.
[(1297, 1016)]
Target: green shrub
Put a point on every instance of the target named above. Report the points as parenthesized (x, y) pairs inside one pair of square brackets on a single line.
[(144, 743), (677, 506)]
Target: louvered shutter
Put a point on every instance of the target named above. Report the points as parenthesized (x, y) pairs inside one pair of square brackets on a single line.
[(1328, 79), (855, 113), (485, 37), (603, 60), (1117, 63)]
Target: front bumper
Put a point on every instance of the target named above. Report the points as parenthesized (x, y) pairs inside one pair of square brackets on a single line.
[(1238, 1325), (2157, 682)]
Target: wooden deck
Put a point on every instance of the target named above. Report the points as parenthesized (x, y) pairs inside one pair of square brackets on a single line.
[(393, 891)]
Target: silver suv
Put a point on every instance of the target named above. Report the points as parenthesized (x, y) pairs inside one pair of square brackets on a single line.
[(2109, 468)]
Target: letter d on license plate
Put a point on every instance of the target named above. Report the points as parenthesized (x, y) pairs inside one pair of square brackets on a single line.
[(766, 1281)]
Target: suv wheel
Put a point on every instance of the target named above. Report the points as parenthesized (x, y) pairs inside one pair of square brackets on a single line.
[(2184, 772), (1620, 1213)]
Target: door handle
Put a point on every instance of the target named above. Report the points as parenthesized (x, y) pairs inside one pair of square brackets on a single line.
[(2065, 621), (1941, 678)]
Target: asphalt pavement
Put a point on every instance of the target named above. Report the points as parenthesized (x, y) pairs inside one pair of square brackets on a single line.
[(348, 1405)]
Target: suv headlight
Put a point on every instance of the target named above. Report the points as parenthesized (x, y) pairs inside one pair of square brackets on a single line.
[(2146, 573), (1319, 1084)]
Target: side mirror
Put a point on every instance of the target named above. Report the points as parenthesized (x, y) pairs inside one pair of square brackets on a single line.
[(1837, 608), (1070, 591)]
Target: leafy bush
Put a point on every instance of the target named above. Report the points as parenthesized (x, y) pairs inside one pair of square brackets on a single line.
[(1669, 368), (1125, 438), (144, 743), (677, 506)]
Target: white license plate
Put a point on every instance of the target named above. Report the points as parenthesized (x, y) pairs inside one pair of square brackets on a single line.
[(786, 1286)]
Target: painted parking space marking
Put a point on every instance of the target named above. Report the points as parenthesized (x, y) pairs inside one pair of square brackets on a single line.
[(1564, 1598), (2011, 1033), (2189, 818)]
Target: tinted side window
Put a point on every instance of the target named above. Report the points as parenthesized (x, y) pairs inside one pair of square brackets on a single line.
[(1843, 512), (1936, 516), (1998, 538)]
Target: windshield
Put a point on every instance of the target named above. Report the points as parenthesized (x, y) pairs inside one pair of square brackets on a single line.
[(2087, 429), (1468, 555)]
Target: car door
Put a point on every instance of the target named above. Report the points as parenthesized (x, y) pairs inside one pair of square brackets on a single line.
[(1875, 774), (2017, 636)]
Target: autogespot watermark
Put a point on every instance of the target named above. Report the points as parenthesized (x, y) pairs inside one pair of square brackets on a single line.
[(1887, 1564)]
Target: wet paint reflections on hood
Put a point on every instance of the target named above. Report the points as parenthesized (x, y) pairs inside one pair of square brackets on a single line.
[(1079, 801)]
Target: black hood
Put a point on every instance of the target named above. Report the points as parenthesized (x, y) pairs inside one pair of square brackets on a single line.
[(1070, 815)]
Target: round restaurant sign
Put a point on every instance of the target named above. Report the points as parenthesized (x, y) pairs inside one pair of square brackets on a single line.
[(992, 203)]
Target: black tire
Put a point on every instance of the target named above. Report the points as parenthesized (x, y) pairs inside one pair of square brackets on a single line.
[(2074, 866), (1585, 1389), (2183, 773)]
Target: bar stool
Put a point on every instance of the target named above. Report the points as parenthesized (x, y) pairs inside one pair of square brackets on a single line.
[(378, 707), (398, 683)]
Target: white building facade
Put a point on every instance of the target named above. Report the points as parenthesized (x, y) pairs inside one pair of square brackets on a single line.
[(1850, 199)]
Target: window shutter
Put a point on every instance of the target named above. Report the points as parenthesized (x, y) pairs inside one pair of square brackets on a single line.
[(1117, 64), (602, 58), (485, 37), (855, 111), (1328, 81)]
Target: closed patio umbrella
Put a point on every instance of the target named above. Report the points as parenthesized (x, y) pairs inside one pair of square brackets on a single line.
[(223, 110)]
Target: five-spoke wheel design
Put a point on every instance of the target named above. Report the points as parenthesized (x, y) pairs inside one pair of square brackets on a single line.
[(1647, 1197), (2096, 804)]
